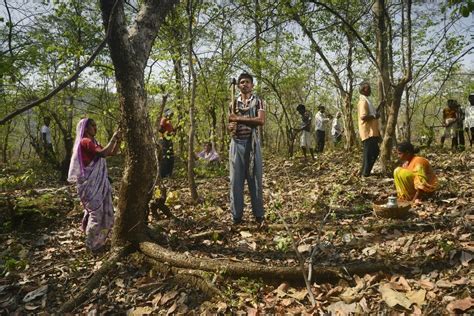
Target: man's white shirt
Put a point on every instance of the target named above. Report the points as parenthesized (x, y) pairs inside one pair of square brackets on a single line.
[(45, 130), (319, 120)]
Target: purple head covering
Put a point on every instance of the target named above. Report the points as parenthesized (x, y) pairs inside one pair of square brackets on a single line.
[(76, 168)]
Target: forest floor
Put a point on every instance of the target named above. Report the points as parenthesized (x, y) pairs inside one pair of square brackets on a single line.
[(426, 257)]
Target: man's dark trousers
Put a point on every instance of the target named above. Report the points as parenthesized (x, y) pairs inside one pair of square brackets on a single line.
[(371, 153), (320, 139)]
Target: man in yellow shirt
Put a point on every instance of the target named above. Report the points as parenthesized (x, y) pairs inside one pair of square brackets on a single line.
[(368, 129)]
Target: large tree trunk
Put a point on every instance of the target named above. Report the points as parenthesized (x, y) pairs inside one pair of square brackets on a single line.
[(392, 92), (191, 181), (129, 51)]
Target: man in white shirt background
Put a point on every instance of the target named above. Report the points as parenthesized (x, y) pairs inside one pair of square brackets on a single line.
[(46, 139), (469, 119)]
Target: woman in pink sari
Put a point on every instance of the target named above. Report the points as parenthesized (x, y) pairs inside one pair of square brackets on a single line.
[(88, 170)]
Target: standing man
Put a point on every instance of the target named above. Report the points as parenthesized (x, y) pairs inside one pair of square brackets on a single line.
[(368, 129), (469, 120), (46, 139), (336, 129), (450, 118), (306, 137), (247, 113), (459, 132), (320, 126), (167, 153)]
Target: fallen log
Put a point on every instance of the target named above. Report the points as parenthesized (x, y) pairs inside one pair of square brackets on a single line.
[(254, 270)]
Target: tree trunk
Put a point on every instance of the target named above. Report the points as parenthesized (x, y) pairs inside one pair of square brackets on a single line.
[(393, 95), (407, 114), (5, 143), (383, 84), (192, 73), (129, 52)]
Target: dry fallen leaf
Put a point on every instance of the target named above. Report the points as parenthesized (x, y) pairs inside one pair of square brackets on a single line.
[(252, 311), (168, 296), (417, 297), (444, 284), (298, 295), (460, 305), (341, 308), (426, 284), (466, 257), (392, 297), (35, 294), (139, 311), (281, 289), (287, 301), (221, 307), (171, 309), (245, 234)]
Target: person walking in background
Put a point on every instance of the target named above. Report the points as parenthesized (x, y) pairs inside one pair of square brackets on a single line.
[(368, 129), (336, 129), (167, 153), (306, 139), (320, 126), (88, 170), (247, 113), (469, 120), (47, 141)]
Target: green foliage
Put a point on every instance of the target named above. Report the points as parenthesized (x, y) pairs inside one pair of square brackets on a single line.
[(464, 7), (250, 289), (10, 182), (283, 243), (11, 264), (446, 245)]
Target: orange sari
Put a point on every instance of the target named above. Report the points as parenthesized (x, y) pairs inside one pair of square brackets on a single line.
[(414, 175)]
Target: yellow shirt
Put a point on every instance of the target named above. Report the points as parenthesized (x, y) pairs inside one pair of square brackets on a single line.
[(368, 128)]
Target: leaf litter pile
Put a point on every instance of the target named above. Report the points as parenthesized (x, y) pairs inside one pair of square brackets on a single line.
[(418, 265)]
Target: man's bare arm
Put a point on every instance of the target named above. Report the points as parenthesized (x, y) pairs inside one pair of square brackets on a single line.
[(250, 121)]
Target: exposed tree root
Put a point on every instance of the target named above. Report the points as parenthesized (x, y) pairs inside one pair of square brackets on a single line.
[(254, 270), (94, 281), (160, 204), (195, 278)]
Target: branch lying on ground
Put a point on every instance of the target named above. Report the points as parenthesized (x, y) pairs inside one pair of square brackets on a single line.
[(192, 277), (253, 270)]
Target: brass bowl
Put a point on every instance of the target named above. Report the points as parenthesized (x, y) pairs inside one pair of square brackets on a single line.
[(401, 211)]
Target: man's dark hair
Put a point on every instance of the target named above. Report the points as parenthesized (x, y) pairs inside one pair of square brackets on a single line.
[(300, 108), (363, 85), (245, 75)]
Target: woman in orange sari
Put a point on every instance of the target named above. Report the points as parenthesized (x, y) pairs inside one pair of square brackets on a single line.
[(415, 178)]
